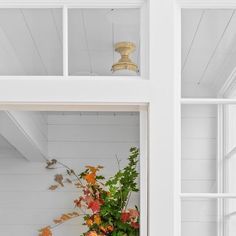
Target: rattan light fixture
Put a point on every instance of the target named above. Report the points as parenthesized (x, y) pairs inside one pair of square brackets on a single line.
[(125, 63)]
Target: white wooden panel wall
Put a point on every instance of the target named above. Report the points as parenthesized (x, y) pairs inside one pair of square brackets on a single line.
[(110, 135), (26, 204), (199, 132)]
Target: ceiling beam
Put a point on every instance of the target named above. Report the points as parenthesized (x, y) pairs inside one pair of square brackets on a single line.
[(20, 133), (83, 90)]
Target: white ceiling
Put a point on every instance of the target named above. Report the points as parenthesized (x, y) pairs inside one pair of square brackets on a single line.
[(31, 40), (208, 48)]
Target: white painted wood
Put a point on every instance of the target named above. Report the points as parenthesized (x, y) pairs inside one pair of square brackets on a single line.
[(18, 129), (220, 168), (73, 3), (108, 134), (199, 170), (190, 21), (165, 91), (79, 118), (204, 45), (199, 128), (199, 149), (202, 228), (144, 173), (65, 40), (199, 186), (92, 133), (210, 60), (207, 195), (208, 101), (41, 23), (102, 149), (84, 90)]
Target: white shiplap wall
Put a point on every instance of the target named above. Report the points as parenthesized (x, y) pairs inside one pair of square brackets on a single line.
[(78, 139), (199, 132)]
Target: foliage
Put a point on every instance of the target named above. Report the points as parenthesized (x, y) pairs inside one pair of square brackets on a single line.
[(103, 204)]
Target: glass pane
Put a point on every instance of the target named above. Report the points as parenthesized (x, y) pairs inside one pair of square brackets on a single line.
[(230, 148), (208, 51), (93, 34), (199, 217), (30, 42), (199, 148), (208, 217)]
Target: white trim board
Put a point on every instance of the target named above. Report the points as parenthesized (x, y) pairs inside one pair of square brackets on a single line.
[(72, 3)]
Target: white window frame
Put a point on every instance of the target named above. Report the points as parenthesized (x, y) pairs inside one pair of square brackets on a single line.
[(80, 93), (72, 4), (220, 102), (158, 91)]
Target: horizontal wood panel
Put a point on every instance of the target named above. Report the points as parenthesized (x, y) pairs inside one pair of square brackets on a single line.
[(18, 166), (203, 210), (32, 230), (39, 200), (199, 111), (199, 128), (92, 133), (199, 186), (199, 149), (107, 150), (77, 119), (199, 228), (23, 216), (199, 170)]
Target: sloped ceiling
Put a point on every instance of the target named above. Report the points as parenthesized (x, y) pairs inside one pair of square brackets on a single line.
[(208, 47), (31, 40)]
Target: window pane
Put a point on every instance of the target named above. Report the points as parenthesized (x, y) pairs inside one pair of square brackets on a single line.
[(230, 148), (208, 217), (92, 36), (199, 148), (208, 51), (30, 42), (199, 217)]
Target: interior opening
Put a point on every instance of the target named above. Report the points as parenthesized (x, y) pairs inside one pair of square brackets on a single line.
[(77, 139)]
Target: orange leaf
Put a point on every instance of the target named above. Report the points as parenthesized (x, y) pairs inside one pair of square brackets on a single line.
[(89, 222), (90, 178), (97, 219), (45, 232)]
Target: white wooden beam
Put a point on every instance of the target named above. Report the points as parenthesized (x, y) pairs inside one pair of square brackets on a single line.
[(209, 101), (208, 195), (72, 3), (16, 129), (98, 107), (207, 4), (66, 91)]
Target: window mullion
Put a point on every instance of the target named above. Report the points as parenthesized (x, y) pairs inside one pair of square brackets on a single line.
[(65, 41)]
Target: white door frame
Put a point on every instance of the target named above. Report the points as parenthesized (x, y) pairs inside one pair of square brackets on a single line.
[(178, 6)]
